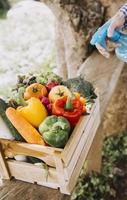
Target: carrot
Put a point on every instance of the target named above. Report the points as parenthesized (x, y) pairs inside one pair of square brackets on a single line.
[(26, 130)]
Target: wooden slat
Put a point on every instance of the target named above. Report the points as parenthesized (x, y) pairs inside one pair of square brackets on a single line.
[(73, 179), (70, 147), (43, 149), (85, 142), (12, 148), (3, 166), (33, 174), (60, 173), (104, 73)]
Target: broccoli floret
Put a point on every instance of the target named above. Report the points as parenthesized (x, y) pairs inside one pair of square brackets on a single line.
[(78, 84)]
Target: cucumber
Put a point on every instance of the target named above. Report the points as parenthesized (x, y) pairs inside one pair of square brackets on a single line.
[(12, 129), (33, 160)]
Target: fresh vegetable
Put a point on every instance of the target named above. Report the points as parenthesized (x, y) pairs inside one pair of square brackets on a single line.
[(45, 78), (49, 108), (51, 84), (23, 81), (26, 130), (83, 100), (35, 90), (34, 112), (77, 95), (81, 86), (18, 96), (57, 92), (55, 131), (13, 131), (73, 115), (68, 106), (45, 101), (33, 160)]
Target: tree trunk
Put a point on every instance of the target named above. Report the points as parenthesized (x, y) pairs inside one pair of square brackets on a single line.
[(78, 19), (60, 52)]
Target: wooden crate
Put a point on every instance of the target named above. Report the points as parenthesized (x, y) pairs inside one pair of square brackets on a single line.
[(64, 164)]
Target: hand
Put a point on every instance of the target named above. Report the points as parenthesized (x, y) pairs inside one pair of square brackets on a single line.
[(110, 48), (108, 30), (116, 22)]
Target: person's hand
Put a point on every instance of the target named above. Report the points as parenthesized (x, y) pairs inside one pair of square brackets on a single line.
[(108, 30)]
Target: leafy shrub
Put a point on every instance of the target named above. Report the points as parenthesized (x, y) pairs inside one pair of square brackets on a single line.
[(4, 6), (107, 184)]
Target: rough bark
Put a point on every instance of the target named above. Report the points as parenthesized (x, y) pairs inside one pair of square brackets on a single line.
[(112, 6), (78, 20), (60, 52)]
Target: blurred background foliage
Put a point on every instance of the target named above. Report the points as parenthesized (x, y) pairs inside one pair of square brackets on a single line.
[(4, 7)]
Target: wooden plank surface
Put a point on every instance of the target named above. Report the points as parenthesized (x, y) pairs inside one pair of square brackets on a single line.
[(104, 74), (19, 190)]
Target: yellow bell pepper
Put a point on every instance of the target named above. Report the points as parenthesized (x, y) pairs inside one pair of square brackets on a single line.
[(34, 112)]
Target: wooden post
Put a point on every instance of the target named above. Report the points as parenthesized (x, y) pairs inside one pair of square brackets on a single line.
[(3, 166), (60, 173)]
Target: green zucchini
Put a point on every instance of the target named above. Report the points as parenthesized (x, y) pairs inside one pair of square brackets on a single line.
[(33, 160), (13, 131)]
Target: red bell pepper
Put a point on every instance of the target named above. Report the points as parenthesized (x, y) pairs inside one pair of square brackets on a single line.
[(72, 115)]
